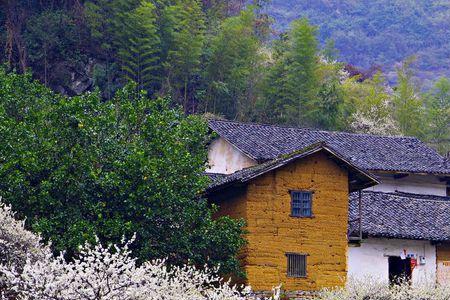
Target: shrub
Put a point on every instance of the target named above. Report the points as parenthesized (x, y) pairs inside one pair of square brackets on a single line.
[(79, 167)]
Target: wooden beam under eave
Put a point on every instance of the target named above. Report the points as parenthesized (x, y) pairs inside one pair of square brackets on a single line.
[(444, 179), (400, 175), (385, 172)]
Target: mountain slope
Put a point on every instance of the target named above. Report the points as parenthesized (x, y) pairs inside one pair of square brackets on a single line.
[(378, 32)]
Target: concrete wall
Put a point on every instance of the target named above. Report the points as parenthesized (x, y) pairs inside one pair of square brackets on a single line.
[(417, 184), (371, 258), (224, 158)]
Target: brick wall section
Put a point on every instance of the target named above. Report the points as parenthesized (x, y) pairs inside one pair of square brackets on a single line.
[(292, 295), (272, 232), (443, 263), (234, 205), (443, 252)]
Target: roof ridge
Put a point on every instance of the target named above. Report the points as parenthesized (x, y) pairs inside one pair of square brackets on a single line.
[(413, 196), (215, 173), (312, 129)]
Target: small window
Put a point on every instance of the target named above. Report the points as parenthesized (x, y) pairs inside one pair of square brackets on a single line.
[(296, 265), (301, 204)]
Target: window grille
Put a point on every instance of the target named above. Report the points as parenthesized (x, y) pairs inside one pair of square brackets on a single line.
[(301, 204), (296, 265)]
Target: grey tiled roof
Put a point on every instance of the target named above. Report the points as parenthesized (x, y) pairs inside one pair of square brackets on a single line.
[(362, 179), (401, 215), (216, 177), (369, 152)]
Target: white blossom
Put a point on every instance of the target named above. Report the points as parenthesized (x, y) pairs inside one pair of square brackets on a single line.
[(373, 123), (370, 288), (101, 273), (16, 243), (376, 119)]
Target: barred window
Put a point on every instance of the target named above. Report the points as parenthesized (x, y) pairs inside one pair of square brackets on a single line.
[(296, 265), (301, 204)]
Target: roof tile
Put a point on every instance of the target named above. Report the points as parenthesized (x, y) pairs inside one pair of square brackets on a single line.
[(401, 215), (369, 152)]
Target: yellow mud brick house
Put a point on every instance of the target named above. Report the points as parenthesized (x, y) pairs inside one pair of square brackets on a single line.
[(296, 209), (314, 204)]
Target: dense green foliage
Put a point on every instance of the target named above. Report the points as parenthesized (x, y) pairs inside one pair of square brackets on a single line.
[(292, 82), (126, 31), (233, 68), (184, 35), (437, 117), (79, 167), (378, 32), (221, 57)]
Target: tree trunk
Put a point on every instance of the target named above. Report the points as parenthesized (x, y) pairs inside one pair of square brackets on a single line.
[(15, 46)]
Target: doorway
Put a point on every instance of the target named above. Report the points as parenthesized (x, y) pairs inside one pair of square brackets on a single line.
[(399, 270)]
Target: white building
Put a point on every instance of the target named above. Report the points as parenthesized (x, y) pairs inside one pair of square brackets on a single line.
[(401, 234)]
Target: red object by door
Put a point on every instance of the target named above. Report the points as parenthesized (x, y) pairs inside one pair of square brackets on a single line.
[(413, 263)]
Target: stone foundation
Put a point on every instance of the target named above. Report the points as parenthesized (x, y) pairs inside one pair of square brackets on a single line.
[(285, 295)]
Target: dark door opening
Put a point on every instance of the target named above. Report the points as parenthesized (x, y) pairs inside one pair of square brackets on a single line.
[(399, 270)]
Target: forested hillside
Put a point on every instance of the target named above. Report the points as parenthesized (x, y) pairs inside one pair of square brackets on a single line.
[(378, 32), (230, 60)]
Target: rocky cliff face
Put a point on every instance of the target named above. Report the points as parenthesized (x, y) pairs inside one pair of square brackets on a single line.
[(73, 79)]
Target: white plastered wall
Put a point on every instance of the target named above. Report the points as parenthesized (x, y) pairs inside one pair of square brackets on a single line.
[(416, 184), (224, 158), (371, 259)]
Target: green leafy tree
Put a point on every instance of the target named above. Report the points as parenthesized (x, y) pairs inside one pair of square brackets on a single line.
[(234, 68), (326, 111), (368, 106), (127, 30), (140, 46), (292, 84), (328, 108), (269, 106), (184, 39), (79, 167), (438, 115), (408, 103), (51, 39)]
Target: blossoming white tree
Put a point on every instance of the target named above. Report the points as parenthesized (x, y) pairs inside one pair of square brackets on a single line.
[(16, 243), (372, 122), (370, 105), (99, 273), (373, 289)]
